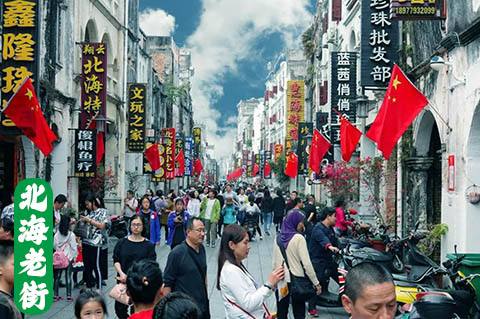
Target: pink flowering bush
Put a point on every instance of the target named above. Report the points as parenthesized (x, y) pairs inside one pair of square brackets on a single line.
[(105, 182), (341, 180)]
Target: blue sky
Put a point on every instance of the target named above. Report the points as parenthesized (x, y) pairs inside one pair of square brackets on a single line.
[(232, 41)]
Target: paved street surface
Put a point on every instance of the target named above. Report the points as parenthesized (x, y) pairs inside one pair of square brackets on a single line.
[(258, 263)]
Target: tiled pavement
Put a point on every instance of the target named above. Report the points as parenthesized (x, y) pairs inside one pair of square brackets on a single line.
[(259, 263)]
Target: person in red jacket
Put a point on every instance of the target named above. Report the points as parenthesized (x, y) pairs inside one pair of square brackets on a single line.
[(342, 223)]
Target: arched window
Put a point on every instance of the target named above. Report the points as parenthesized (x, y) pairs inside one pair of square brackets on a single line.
[(91, 34)]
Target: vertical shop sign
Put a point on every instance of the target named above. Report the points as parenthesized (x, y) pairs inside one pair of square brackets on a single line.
[(278, 152), (85, 153), (136, 117), (244, 163), (179, 146), (451, 172), (268, 159), (94, 84), (304, 129), (33, 262), (344, 90), (379, 43), (188, 156), (249, 164), (168, 138), (19, 51), (295, 110), (323, 127), (197, 140), (159, 175), (262, 164)]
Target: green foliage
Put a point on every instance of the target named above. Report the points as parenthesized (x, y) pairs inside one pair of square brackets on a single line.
[(105, 182), (279, 170), (308, 43), (133, 180), (430, 243), (372, 177), (174, 93), (407, 144), (249, 144)]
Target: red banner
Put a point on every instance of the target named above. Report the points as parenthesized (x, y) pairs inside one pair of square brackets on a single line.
[(168, 137)]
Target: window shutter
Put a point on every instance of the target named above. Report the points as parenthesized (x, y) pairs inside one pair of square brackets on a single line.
[(324, 93), (325, 23), (336, 10)]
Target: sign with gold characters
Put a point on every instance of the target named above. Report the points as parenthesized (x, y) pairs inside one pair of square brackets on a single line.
[(136, 117)]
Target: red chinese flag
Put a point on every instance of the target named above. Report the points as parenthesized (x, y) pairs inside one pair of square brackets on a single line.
[(198, 166), (229, 177), (349, 137), (267, 169), (180, 159), (291, 169), (153, 156), (24, 110), (402, 103), (318, 149), (237, 173), (255, 169)]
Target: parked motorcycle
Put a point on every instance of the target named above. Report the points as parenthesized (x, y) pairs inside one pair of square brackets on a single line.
[(118, 227), (250, 224), (459, 301)]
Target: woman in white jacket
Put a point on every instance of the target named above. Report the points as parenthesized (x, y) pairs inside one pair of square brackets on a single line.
[(193, 207), (242, 296)]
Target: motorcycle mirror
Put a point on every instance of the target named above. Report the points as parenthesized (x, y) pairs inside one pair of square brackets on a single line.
[(455, 249), (417, 225)]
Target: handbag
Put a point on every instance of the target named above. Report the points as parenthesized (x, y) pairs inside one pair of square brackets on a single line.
[(60, 261), (301, 288), (82, 230), (119, 293)]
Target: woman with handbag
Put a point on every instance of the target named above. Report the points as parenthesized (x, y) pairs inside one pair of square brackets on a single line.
[(96, 236), (242, 296), (126, 251), (290, 249), (65, 247)]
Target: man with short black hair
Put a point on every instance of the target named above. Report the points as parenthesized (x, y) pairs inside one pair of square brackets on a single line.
[(186, 269), (291, 203), (322, 246), (369, 292), (8, 309), (58, 204)]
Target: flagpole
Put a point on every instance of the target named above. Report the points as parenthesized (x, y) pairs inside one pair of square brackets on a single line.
[(432, 107), (14, 93)]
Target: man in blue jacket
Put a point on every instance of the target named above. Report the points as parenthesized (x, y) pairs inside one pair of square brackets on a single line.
[(322, 246)]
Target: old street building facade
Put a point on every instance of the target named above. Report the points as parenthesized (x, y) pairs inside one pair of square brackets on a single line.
[(435, 167), (59, 73)]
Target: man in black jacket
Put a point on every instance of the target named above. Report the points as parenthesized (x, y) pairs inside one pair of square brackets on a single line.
[(322, 246), (186, 269)]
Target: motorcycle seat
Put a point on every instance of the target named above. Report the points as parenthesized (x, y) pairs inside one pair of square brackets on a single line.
[(327, 295), (371, 254)]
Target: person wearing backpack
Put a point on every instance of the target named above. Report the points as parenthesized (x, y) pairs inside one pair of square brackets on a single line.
[(65, 247)]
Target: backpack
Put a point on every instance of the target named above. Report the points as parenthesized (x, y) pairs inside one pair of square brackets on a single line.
[(60, 261)]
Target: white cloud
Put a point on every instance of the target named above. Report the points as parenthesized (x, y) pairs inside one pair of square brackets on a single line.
[(157, 22), (228, 32)]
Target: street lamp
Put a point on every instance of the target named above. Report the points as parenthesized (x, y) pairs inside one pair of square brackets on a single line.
[(362, 106), (101, 123)]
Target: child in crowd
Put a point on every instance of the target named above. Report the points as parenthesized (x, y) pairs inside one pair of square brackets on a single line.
[(7, 305), (77, 263), (90, 304)]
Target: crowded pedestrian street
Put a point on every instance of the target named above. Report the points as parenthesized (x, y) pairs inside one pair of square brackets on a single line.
[(253, 159), (258, 262)]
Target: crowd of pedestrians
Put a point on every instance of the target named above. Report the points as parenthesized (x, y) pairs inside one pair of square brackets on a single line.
[(304, 242)]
